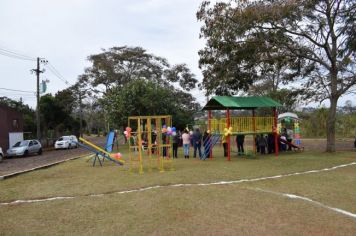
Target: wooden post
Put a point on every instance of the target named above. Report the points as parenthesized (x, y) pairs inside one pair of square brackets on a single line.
[(276, 141), (209, 128), (228, 137)]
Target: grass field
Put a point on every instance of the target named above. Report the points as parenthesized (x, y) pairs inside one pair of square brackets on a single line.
[(102, 202)]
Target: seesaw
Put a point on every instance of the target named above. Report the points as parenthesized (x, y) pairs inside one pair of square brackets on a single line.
[(116, 158)]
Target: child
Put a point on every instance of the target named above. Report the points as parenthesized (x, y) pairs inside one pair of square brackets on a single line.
[(283, 144), (133, 142)]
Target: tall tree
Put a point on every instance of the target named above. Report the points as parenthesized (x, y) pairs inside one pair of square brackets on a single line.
[(118, 77), (119, 65), (316, 37), (55, 114), (141, 97)]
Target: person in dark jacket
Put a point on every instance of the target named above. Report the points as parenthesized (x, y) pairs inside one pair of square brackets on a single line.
[(153, 141), (270, 142), (262, 144), (197, 142), (175, 142), (164, 141), (240, 138), (256, 143)]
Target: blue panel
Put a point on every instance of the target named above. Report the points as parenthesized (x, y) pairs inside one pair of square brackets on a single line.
[(109, 141)]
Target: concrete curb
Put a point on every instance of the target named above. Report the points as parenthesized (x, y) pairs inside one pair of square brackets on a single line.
[(3, 177)]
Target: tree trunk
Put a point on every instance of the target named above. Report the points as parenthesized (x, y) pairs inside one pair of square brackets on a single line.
[(330, 125)]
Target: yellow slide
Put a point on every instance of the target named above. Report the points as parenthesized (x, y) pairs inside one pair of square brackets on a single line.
[(109, 155)]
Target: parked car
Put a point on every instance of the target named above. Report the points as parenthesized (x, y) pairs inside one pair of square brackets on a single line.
[(66, 142), (1, 155), (24, 148)]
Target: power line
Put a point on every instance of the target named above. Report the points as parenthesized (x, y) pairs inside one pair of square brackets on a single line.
[(16, 97), (16, 94), (56, 73), (15, 55), (16, 90)]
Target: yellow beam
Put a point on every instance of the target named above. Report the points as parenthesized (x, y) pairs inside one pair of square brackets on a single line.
[(99, 149)]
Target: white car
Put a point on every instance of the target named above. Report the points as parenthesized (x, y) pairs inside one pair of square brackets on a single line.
[(24, 148), (66, 142), (1, 155)]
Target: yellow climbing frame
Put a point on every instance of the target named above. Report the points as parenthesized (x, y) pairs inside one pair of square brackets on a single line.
[(158, 151)]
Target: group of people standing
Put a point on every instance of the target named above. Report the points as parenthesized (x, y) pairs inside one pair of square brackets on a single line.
[(196, 140), (265, 143), (187, 139), (202, 143)]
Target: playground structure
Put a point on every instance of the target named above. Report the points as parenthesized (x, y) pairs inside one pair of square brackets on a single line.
[(250, 125), (290, 122), (150, 141), (103, 153)]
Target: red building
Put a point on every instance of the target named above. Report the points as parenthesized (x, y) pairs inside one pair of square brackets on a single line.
[(11, 124)]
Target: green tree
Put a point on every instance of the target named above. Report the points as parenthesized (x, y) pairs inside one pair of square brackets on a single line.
[(118, 76), (142, 97), (315, 37), (54, 115), (67, 99), (27, 112), (119, 65), (288, 98)]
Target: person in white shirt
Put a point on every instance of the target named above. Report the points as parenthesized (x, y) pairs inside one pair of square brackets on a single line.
[(186, 143), (283, 144)]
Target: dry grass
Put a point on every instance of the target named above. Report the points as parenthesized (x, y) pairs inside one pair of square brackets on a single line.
[(236, 209)]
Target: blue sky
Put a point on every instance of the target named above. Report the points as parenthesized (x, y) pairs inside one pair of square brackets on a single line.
[(66, 32)]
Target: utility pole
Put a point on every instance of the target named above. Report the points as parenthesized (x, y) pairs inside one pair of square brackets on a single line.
[(81, 114), (38, 71)]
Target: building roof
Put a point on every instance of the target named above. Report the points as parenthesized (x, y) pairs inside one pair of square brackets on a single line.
[(239, 103)]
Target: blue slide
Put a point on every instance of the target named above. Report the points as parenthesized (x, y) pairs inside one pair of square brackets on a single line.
[(109, 141), (214, 139)]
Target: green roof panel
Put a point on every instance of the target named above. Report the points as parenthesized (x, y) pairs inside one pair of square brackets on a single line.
[(239, 103)]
